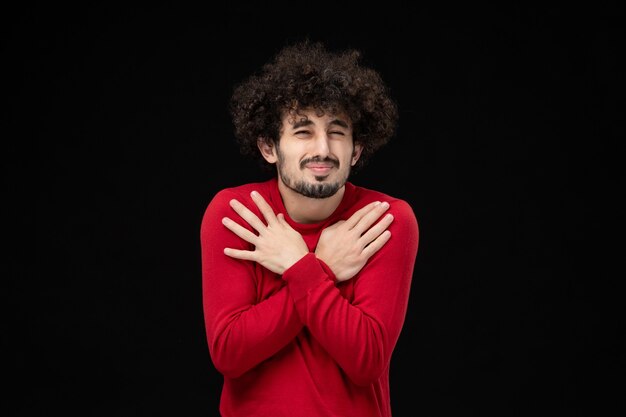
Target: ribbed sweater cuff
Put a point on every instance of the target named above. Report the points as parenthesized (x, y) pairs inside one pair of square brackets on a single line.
[(305, 275)]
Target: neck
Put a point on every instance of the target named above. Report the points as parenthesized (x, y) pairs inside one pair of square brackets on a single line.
[(309, 210)]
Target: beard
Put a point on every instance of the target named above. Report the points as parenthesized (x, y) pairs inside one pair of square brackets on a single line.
[(315, 190), (319, 189)]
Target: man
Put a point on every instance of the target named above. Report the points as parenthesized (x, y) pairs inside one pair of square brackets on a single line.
[(306, 276)]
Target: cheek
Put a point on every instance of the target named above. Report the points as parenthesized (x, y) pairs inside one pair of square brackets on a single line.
[(286, 162)]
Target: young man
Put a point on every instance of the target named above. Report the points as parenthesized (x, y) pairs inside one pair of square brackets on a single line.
[(306, 276)]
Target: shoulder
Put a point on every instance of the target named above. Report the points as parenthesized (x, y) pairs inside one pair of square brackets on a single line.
[(219, 205), (404, 228), (400, 208), (240, 192)]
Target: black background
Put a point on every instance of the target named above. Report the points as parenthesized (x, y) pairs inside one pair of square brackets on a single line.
[(117, 136)]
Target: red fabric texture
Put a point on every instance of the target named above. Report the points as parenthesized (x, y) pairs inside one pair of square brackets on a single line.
[(302, 344)]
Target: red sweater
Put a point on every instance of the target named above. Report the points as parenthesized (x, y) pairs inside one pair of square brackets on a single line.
[(303, 344)]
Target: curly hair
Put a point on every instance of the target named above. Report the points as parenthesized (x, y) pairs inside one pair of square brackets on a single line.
[(306, 75)]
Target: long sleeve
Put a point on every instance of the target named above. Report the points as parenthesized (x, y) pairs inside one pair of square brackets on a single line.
[(360, 334), (245, 322)]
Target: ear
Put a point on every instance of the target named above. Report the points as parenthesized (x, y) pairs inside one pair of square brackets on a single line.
[(268, 149), (356, 153)]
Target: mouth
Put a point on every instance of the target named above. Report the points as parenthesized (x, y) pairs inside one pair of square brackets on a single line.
[(319, 168)]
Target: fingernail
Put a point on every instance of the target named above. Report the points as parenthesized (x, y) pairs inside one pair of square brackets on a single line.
[(385, 204), (254, 193)]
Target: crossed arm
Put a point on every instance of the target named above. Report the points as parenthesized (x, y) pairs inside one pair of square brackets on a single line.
[(359, 333), (345, 246)]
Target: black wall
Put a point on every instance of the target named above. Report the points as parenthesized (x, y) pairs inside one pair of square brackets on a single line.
[(116, 136)]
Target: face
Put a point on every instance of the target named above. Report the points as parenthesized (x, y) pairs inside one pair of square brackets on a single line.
[(314, 154)]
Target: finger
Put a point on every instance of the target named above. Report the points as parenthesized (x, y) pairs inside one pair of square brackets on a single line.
[(376, 244), (246, 255), (246, 214), (376, 230), (357, 215), (371, 217), (264, 207), (239, 230)]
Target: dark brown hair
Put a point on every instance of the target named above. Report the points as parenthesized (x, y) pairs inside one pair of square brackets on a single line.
[(306, 75)]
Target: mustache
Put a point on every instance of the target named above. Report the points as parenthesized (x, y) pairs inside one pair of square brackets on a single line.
[(317, 159)]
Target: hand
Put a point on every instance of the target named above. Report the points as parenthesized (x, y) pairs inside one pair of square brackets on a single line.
[(277, 246), (347, 245)]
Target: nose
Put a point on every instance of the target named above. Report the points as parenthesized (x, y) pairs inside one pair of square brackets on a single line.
[(321, 145)]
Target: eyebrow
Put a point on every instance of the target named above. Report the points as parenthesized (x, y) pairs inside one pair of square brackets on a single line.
[(307, 122)]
